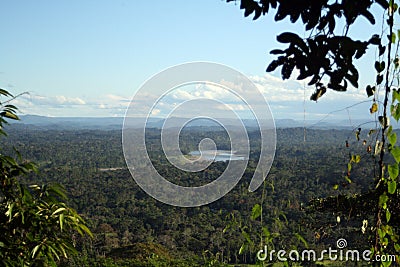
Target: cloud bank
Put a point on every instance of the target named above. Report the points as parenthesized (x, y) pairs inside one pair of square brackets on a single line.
[(287, 99)]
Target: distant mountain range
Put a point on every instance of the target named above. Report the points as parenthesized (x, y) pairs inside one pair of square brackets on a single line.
[(117, 122)]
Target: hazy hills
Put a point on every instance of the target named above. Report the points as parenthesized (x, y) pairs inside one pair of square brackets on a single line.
[(117, 122)]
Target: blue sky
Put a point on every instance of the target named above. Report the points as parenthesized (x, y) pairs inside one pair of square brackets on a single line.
[(87, 58)]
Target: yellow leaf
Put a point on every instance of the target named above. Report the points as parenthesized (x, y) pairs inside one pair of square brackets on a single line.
[(374, 108)]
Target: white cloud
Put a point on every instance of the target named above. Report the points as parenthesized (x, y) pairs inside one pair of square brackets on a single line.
[(61, 105), (117, 98), (62, 100), (235, 107), (201, 90), (53, 100), (155, 112), (277, 90), (287, 99)]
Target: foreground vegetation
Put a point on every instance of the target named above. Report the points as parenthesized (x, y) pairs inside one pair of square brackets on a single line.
[(132, 229)]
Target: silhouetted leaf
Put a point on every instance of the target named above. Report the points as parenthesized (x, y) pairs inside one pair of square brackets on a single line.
[(383, 3), (276, 52), (257, 13), (368, 16), (378, 66), (379, 79), (353, 79), (287, 37), (318, 93), (396, 62), (381, 49), (370, 90), (287, 69), (5, 93), (314, 80), (272, 66), (375, 40)]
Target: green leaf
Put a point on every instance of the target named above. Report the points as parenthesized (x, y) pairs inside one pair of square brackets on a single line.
[(58, 210), (335, 187), (396, 153), (256, 211), (266, 232), (52, 250), (86, 230), (246, 237), (301, 239), (355, 158), (34, 251), (9, 115), (383, 199), (349, 167), (395, 111), (392, 138), (396, 95), (386, 263), (242, 248), (397, 247), (381, 234), (393, 170), (388, 214), (392, 38), (9, 212), (61, 221), (392, 187)]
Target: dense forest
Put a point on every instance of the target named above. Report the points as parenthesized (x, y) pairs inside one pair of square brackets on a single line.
[(133, 229)]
